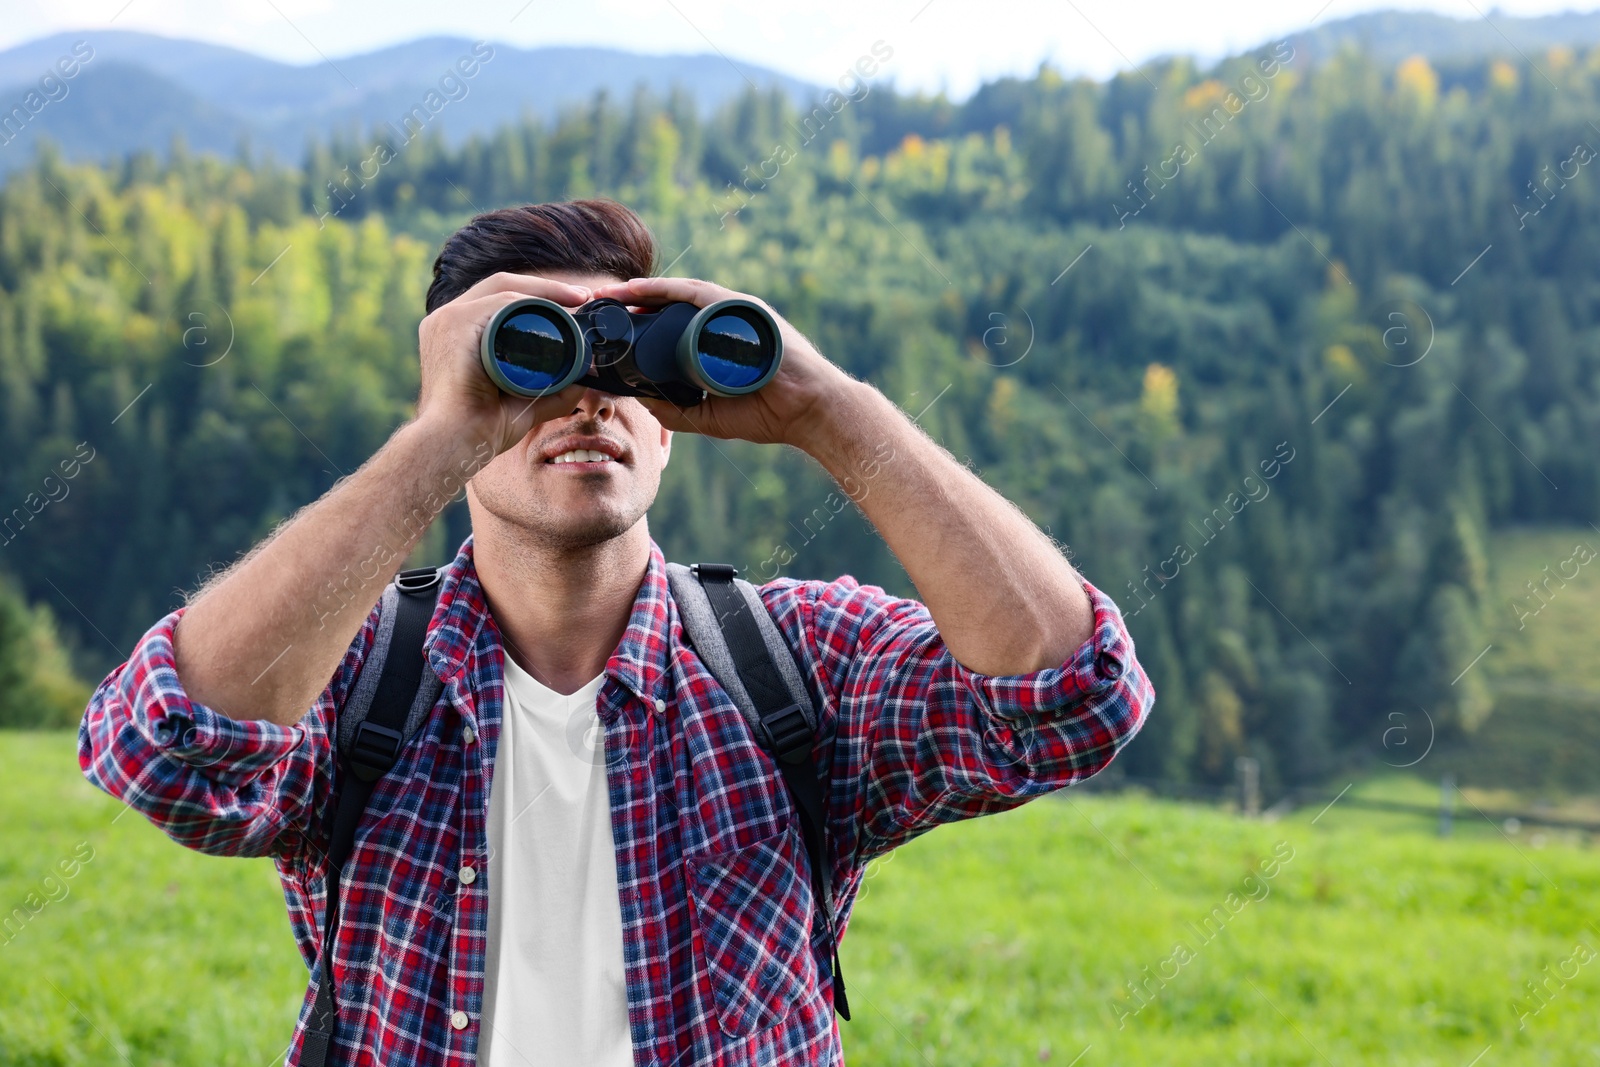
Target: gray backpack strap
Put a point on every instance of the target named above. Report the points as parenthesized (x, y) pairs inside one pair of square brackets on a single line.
[(359, 703), (705, 634)]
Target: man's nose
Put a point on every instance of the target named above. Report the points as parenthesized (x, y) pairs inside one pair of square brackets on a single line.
[(596, 404)]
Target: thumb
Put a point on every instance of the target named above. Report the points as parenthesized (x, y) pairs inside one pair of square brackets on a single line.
[(666, 413)]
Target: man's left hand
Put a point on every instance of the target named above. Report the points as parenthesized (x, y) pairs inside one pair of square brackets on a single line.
[(781, 411)]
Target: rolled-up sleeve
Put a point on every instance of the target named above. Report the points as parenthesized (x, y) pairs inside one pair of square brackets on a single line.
[(1101, 666), (212, 783), (919, 740)]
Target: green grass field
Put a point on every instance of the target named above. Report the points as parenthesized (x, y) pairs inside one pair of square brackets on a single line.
[(1010, 940)]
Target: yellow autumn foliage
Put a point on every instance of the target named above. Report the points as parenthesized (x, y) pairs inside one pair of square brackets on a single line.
[(1158, 400), (1416, 78)]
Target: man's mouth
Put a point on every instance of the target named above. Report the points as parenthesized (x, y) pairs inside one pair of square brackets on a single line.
[(584, 451), (581, 455)]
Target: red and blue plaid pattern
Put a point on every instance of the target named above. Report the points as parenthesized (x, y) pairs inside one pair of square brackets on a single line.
[(723, 964)]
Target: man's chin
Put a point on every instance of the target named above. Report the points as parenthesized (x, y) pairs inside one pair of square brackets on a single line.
[(586, 529)]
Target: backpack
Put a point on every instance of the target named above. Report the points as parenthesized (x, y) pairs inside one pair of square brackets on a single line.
[(723, 619)]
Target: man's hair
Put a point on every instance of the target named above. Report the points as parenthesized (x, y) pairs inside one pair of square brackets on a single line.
[(578, 236)]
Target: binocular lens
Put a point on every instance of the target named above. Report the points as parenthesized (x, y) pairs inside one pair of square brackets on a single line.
[(534, 349), (732, 351)]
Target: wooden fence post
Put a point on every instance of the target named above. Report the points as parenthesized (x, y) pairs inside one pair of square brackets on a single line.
[(1447, 804), (1249, 772)]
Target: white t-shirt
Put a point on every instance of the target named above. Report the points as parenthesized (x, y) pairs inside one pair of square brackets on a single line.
[(554, 986)]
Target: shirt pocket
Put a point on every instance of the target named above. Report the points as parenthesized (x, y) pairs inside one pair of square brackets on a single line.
[(752, 910)]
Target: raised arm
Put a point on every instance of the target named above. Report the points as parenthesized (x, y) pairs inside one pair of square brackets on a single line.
[(1015, 677), (219, 727), (1004, 599), (261, 641)]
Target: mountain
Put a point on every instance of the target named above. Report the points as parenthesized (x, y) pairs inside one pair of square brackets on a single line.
[(139, 90), (1390, 36)]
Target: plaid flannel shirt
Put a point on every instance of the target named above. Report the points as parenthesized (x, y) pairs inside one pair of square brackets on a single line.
[(723, 964)]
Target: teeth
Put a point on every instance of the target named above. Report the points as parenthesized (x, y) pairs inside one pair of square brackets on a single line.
[(582, 455)]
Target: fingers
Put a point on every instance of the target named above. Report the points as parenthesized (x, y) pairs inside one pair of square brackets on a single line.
[(666, 290), (484, 307), (524, 413), (701, 419), (668, 414), (475, 314), (464, 314), (555, 405), (527, 285)]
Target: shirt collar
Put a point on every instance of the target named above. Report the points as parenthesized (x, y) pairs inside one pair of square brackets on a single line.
[(639, 662)]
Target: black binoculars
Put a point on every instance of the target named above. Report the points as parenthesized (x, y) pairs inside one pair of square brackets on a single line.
[(678, 352)]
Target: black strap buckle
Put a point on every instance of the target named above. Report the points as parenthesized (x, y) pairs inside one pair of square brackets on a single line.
[(789, 734), (375, 750), (714, 572), (419, 580)]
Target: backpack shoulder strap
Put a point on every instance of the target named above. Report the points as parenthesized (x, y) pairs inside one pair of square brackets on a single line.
[(734, 634), (391, 697), (392, 693), (720, 611)]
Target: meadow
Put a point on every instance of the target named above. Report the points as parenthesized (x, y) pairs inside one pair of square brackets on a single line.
[(1341, 936), (1544, 731)]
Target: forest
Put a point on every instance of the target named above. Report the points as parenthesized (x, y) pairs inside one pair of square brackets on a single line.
[(1271, 348)]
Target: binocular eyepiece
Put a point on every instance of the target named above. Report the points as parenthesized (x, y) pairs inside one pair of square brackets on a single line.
[(678, 352)]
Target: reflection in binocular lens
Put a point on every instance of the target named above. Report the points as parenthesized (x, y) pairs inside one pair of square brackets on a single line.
[(532, 349), (731, 351)]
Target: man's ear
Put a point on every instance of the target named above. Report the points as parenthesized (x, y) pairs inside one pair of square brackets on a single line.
[(666, 445)]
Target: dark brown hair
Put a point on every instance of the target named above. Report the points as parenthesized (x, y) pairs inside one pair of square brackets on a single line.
[(580, 236)]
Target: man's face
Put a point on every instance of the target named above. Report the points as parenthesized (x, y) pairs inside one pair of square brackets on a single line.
[(551, 484)]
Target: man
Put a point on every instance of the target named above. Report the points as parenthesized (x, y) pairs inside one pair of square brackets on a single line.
[(509, 902)]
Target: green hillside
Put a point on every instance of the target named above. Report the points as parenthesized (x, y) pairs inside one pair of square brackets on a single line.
[(1279, 392), (1543, 669), (1545, 608), (1009, 940)]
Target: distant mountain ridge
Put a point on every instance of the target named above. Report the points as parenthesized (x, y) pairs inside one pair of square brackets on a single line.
[(1390, 36), (139, 90)]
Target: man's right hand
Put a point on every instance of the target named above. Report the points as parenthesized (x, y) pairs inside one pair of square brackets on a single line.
[(457, 393), (262, 640)]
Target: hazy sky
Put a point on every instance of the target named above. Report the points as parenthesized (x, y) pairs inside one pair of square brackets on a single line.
[(937, 43)]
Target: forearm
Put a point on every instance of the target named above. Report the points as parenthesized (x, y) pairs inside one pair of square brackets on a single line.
[(1004, 598), (262, 641)]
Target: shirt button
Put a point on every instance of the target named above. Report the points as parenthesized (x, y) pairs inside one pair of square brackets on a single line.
[(467, 876), (661, 706), (459, 1020), (468, 735), (1107, 665)]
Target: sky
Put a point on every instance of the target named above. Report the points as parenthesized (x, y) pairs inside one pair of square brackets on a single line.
[(936, 44)]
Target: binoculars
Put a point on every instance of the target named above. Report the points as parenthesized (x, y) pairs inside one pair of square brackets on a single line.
[(678, 352)]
